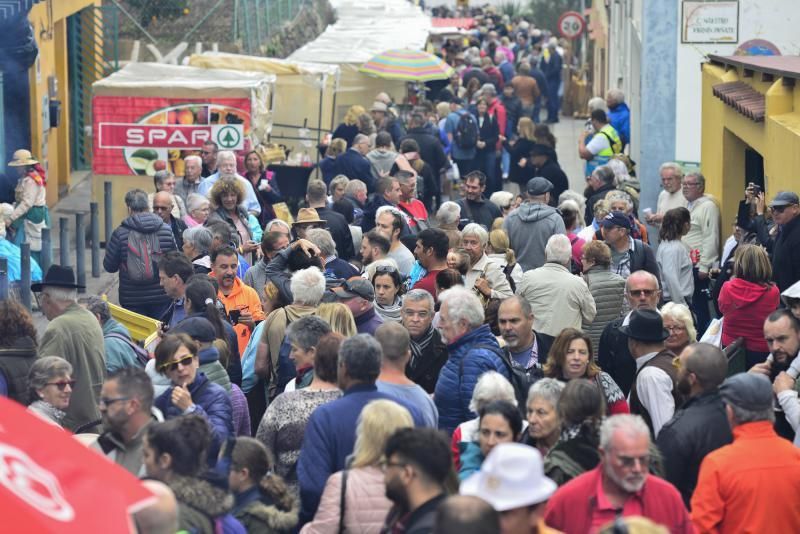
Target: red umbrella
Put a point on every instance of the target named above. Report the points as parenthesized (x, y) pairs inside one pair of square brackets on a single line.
[(49, 482)]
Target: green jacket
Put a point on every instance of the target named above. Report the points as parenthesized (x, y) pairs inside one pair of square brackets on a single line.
[(119, 353)]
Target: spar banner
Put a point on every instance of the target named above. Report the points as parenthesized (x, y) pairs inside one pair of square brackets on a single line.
[(142, 135)]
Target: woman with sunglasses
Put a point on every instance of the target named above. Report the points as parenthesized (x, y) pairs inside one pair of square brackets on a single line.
[(191, 392), (388, 286), (50, 388)]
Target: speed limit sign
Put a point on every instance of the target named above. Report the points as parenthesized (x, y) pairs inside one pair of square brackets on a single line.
[(571, 25)]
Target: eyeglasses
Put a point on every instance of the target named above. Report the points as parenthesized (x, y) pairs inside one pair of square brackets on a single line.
[(779, 209), (642, 292), (172, 366), (63, 384), (104, 402), (630, 461), (690, 184), (162, 208)]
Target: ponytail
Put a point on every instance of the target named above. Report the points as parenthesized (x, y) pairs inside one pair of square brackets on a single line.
[(252, 454)]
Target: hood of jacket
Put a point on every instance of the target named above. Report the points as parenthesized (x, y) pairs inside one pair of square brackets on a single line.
[(746, 292), (202, 495), (112, 326), (379, 156), (208, 355), (275, 518), (533, 212), (146, 223)]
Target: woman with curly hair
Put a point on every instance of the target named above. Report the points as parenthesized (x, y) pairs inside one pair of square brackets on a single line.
[(17, 350), (226, 199), (571, 357)]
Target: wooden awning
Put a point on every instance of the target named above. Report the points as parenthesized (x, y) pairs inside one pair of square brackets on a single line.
[(743, 99)]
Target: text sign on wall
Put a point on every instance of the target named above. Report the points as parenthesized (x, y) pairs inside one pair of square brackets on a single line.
[(710, 22)]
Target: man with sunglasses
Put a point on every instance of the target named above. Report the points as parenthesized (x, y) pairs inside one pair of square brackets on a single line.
[(786, 250), (209, 156), (620, 486), (162, 206), (641, 292)]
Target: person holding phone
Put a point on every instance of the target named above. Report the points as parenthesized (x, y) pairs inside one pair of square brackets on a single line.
[(191, 392)]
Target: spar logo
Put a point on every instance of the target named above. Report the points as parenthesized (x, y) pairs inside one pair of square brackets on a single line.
[(170, 136), (32, 483)]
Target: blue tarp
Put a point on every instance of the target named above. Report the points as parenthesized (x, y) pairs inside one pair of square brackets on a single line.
[(12, 252)]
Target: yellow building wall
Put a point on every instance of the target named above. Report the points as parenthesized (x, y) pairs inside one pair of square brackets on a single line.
[(52, 145), (726, 134)]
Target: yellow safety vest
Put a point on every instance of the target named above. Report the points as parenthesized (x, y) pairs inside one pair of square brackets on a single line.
[(615, 143)]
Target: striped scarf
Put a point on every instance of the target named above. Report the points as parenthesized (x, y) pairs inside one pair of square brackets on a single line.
[(418, 346)]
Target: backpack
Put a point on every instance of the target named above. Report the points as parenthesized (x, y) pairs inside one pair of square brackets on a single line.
[(142, 356), (143, 249), (466, 134), (521, 379)]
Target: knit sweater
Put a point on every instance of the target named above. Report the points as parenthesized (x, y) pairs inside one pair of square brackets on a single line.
[(704, 232), (608, 290), (675, 267)]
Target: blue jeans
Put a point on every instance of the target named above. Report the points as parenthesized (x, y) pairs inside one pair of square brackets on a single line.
[(505, 162)]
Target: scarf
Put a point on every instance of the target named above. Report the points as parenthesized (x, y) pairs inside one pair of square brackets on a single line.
[(419, 346), (389, 313)]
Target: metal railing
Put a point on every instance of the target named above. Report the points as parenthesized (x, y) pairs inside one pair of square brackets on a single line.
[(255, 21)]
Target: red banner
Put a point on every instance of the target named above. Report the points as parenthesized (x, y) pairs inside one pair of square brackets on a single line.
[(139, 135)]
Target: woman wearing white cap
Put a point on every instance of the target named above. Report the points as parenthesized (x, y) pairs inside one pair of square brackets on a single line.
[(30, 213)]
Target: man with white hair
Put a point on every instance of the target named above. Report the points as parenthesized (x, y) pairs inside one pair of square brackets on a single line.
[(559, 299), (484, 274), (308, 286), (671, 196), (473, 350), (334, 266), (447, 219), (619, 487), (356, 192), (533, 223), (190, 183), (75, 335), (619, 115), (226, 168)]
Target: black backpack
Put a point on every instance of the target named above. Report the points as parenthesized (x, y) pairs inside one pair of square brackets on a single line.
[(521, 379), (466, 134)]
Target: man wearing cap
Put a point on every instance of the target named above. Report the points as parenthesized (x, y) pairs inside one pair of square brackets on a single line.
[(354, 164), (700, 426), (620, 486), (558, 298), (416, 471), (749, 485), (512, 480), (543, 159), (703, 236), (474, 206), (654, 394), (307, 218), (786, 250), (628, 255), (316, 197), (386, 122), (533, 223), (75, 335), (359, 295)]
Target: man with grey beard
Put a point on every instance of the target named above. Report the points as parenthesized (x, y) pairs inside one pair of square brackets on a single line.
[(620, 486)]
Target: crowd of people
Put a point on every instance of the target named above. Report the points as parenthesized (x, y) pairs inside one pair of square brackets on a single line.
[(394, 358)]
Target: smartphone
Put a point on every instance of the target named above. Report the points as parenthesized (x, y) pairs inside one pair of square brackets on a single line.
[(233, 316)]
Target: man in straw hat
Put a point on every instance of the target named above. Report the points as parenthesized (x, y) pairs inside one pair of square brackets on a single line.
[(307, 218), (75, 335), (29, 214)]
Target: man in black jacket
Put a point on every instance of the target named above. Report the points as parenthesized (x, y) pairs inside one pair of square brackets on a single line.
[(430, 148), (428, 351), (613, 355), (701, 425), (599, 183), (786, 251), (474, 207), (543, 159), (316, 197)]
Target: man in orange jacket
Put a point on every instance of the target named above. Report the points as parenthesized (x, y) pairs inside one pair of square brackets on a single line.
[(749, 485), (241, 301)]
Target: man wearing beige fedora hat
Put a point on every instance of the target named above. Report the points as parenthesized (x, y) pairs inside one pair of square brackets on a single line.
[(307, 218), (30, 214)]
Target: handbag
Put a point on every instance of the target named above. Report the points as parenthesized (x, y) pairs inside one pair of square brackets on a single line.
[(713, 334), (342, 500)]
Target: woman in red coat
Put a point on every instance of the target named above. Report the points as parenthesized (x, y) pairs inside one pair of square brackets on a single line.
[(746, 299)]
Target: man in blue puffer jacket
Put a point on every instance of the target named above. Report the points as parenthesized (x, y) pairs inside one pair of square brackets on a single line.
[(473, 350)]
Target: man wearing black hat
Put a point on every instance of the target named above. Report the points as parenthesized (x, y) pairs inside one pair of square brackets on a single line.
[(628, 255), (654, 394), (749, 485), (786, 251), (75, 335), (545, 164), (533, 223)]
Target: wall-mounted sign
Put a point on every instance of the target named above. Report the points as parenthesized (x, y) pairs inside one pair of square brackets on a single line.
[(710, 22)]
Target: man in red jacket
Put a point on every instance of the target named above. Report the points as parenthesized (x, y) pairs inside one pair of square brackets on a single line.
[(619, 486)]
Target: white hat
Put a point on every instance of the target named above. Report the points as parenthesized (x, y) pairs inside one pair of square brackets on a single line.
[(512, 476), (792, 292)]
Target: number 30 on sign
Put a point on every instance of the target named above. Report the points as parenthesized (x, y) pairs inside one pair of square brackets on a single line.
[(571, 25)]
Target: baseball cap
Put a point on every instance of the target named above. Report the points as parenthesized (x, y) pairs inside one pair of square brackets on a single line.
[(749, 391), (355, 287), (784, 198), (512, 476), (616, 218), (198, 328), (539, 186)]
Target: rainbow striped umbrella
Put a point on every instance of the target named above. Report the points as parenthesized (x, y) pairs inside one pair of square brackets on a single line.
[(407, 65)]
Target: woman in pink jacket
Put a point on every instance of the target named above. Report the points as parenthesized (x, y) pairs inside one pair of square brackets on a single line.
[(746, 299), (364, 506)]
